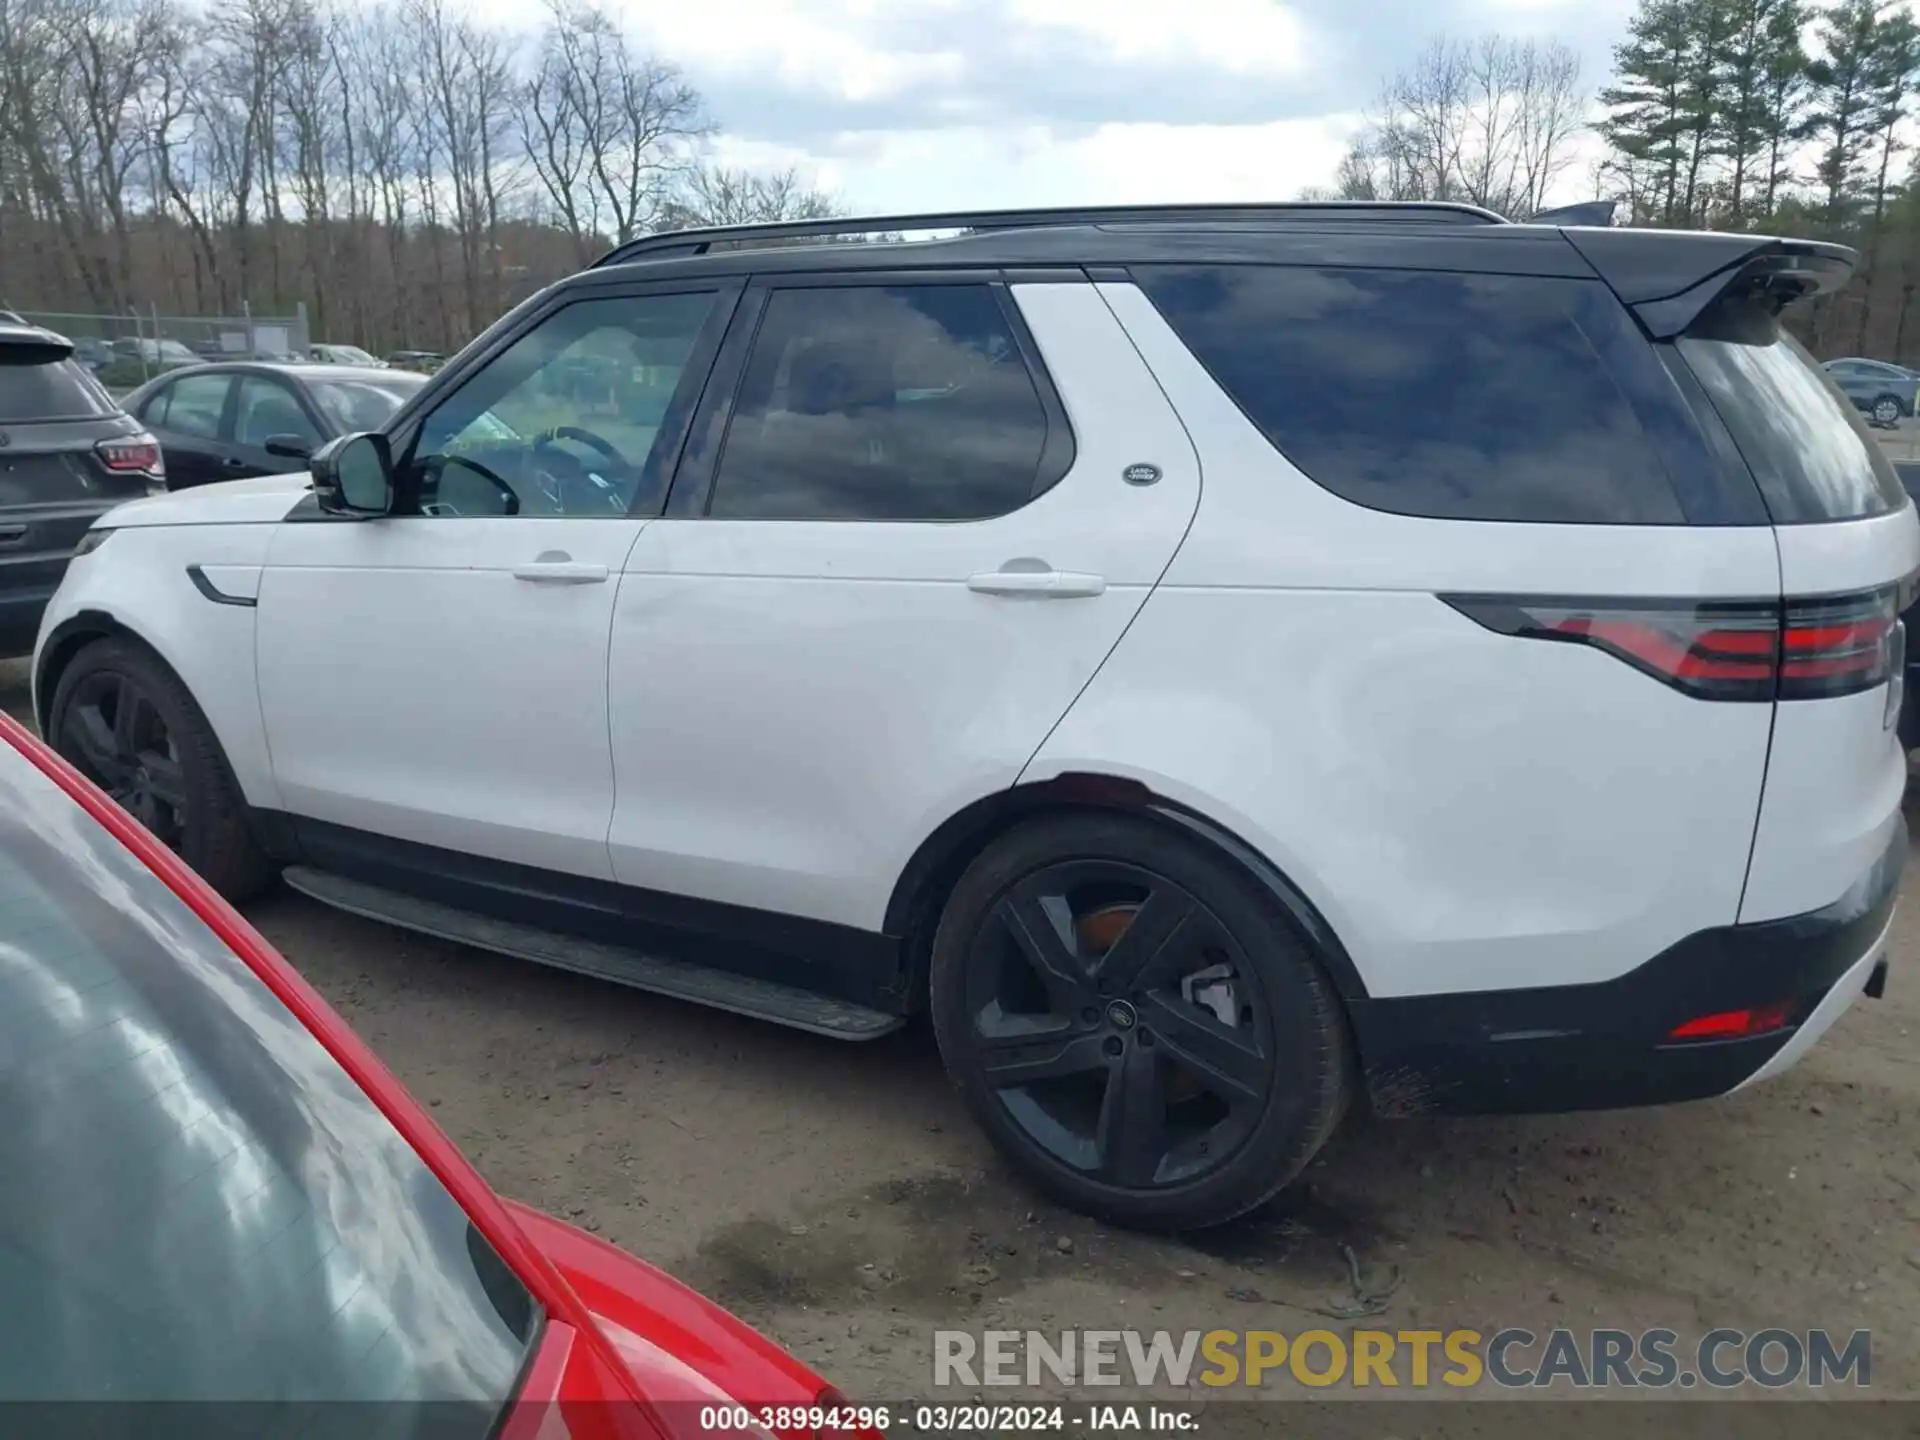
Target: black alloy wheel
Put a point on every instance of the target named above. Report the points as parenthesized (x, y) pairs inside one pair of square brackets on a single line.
[(123, 719), (1133, 1024), (1118, 1023), (112, 731)]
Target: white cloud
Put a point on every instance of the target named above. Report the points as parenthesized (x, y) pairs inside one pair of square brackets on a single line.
[(1238, 36), (905, 105), (976, 167)]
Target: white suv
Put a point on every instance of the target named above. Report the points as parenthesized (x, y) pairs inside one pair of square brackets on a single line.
[(1222, 663)]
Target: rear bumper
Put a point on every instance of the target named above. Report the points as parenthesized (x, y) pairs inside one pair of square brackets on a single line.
[(1605, 1046)]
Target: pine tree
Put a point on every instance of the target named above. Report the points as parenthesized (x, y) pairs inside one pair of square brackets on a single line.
[(1763, 77), (1647, 121), (1844, 78)]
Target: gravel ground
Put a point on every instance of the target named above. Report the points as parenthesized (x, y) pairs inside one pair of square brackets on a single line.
[(838, 1197)]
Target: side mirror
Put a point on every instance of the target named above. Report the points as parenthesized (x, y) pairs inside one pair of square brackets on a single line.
[(354, 475), (288, 447)]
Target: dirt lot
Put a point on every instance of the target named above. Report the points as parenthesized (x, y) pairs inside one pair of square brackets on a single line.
[(838, 1197)]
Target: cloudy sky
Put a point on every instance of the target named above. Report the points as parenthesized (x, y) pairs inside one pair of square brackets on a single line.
[(922, 104)]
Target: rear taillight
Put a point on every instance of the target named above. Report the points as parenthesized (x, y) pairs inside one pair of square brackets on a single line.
[(1719, 650), (135, 455), (1839, 646)]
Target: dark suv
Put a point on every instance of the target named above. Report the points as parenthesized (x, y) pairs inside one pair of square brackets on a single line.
[(68, 454)]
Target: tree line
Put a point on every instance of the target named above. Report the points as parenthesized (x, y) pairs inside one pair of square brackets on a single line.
[(405, 170), (1776, 115)]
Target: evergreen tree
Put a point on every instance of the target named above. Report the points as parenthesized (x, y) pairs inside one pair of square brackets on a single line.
[(1647, 121), (1763, 78), (1845, 77)]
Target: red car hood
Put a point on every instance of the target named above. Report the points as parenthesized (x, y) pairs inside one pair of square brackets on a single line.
[(684, 1350)]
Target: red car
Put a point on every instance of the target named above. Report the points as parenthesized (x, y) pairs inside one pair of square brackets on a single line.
[(211, 1191)]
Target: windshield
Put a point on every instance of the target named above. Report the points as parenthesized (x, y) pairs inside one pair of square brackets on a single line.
[(1809, 452), (196, 1202), (363, 404)]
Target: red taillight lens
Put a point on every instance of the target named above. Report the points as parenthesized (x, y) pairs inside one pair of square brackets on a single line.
[(136, 455), (1720, 650), (1838, 646), (1735, 1024), (1712, 651)]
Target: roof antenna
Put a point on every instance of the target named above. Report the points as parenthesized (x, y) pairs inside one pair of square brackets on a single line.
[(1590, 212)]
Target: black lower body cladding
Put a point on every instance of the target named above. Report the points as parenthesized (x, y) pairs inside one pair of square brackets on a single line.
[(1607, 1045)]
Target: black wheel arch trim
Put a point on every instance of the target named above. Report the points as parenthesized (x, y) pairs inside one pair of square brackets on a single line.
[(921, 891), (57, 651)]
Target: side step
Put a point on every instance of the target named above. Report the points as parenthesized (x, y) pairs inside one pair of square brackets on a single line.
[(720, 989)]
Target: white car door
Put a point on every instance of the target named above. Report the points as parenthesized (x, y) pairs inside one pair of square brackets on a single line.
[(902, 540), (438, 675)]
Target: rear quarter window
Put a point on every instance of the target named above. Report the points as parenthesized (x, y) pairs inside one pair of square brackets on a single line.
[(1811, 455), (1456, 396), (49, 390)]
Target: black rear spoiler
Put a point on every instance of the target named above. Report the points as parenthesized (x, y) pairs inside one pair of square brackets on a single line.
[(1668, 277), (30, 345)]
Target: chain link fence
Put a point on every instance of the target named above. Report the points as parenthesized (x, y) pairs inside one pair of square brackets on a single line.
[(127, 350)]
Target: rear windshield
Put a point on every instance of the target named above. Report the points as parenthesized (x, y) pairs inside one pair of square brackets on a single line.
[(49, 390), (196, 1202), (1813, 457)]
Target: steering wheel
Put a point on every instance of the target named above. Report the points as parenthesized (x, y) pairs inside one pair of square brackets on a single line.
[(546, 438), (572, 487)]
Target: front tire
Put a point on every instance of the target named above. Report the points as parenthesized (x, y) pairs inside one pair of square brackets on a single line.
[(1133, 1023), (124, 720)]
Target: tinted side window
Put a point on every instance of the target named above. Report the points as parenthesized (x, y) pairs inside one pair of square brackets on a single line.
[(1813, 458), (907, 402), (266, 407), (192, 405), (568, 419), (1467, 397)]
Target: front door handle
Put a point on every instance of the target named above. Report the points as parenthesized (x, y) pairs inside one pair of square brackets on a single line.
[(556, 567), (1039, 584), (234, 462)]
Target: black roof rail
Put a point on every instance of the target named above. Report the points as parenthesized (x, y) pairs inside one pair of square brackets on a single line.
[(701, 241)]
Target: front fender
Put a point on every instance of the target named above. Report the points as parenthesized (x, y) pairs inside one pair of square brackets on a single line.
[(137, 584)]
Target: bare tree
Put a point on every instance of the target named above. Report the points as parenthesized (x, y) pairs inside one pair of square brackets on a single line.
[(718, 195), (1491, 122)]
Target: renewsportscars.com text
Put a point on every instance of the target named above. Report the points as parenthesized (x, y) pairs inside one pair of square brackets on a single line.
[(1415, 1359)]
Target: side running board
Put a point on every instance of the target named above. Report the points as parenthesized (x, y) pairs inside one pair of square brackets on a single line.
[(720, 989)]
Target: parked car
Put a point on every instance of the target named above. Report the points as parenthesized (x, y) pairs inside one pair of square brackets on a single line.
[(424, 361), (1883, 390), (345, 355), (889, 656), (93, 352), (164, 354), (232, 419), (215, 1192), (68, 454)]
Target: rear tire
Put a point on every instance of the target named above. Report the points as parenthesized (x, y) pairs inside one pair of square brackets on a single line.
[(1134, 1024), (1887, 411), (125, 721)]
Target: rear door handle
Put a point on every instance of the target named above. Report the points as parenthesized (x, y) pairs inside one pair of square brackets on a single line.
[(1039, 584), (12, 534), (560, 570), (234, 462)]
